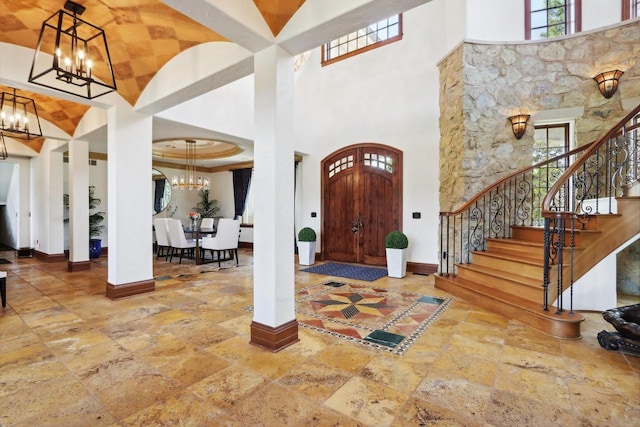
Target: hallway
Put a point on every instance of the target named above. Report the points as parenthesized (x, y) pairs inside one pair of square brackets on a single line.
[(181, 356)]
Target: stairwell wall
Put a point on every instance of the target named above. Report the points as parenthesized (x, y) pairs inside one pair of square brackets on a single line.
[(482, 84)]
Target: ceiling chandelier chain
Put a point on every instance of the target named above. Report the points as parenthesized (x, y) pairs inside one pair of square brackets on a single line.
[(190, 180), (74, 52), (19, 116)]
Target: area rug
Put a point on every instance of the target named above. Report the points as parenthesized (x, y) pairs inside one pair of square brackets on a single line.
[(386, 319), (4, 261), (348, 271)]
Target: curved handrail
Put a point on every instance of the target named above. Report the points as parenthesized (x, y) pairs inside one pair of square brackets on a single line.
[(573, 168), (496, 184)]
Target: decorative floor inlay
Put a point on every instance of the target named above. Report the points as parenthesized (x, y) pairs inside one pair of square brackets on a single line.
[(383, 318)]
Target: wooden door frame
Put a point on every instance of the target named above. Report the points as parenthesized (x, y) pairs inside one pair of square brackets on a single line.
[(324, 178)]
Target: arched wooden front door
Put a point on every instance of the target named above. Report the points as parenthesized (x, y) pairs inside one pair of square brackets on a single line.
[(361, 202)]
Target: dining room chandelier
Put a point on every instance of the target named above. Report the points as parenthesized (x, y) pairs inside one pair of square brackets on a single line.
[(72, 55), (190, 180), (19, 116)]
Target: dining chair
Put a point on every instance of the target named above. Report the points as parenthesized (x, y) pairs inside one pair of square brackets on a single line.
[(206, 223), (162, 236), (226, 239), (178, 240)]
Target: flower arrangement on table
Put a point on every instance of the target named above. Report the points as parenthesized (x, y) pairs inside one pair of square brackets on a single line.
[(194, 216)]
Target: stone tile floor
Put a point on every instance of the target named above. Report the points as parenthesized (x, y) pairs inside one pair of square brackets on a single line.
[(181, 356)]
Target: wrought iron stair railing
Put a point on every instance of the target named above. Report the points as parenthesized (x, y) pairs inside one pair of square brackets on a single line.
[(563, 183), (515, 200), (589, 186)]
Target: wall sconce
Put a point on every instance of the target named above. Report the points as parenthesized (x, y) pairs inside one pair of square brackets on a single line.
[(608, 82), (519, 124)]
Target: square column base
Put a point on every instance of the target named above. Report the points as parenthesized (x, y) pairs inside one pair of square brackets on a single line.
[(274, 338)]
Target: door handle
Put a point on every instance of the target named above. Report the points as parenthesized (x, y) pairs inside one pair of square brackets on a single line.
[(356, 224)]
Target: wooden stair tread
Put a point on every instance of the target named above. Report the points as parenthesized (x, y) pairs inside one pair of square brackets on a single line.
[(520, 309), (500, 295)]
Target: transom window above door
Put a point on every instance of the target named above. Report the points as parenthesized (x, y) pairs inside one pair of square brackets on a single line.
[(378, 161), (340, 165)]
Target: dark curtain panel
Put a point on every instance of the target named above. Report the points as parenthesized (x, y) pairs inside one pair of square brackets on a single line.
[(157, 201), (241, 180)]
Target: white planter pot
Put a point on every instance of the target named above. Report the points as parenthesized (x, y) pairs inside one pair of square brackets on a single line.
[(306, 253), (397, 262)]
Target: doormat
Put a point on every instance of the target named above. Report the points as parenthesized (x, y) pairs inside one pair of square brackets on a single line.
[(348, 271), (4, 261), (386, 319)]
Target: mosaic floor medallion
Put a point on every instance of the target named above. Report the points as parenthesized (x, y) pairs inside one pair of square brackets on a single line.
[(387, 319)]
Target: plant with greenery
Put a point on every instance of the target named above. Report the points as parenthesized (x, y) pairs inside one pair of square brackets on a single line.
[(396, 240), (207, 208), (95, 219), (307, 234)]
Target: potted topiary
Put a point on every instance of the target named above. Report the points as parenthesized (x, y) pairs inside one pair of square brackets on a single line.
[(396, 244), (307, 246)]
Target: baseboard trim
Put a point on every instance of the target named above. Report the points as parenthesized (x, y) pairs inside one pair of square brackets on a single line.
[(130, 289), (421, 268), (49, 257), (274, 338), (73, 266), (24, 253), (245, 245)]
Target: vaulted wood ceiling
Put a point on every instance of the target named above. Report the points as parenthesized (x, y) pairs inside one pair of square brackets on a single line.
[(143, 35)]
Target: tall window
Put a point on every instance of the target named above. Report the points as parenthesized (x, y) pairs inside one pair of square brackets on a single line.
[(552, 18), (549, 141), (375, 35), (630, 9)]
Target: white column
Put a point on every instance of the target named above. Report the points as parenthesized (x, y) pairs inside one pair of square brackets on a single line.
[(46, 201), (273, 196), (129, 202), (78, 204)]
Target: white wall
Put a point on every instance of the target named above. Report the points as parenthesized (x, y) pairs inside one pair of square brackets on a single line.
[(389, 96), (600, 13), (495, 20)]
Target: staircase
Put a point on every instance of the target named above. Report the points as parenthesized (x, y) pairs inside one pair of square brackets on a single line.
[(496, 254)]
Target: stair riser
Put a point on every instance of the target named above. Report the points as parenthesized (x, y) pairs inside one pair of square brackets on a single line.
[(526, 291), (514, 249), (527, 270), (562, 327), (536, 235)]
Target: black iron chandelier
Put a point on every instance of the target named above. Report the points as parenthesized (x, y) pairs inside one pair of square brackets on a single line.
[(19, 116), (72, 55)]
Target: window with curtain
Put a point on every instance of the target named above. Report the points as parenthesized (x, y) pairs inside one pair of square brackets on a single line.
[(545, 19), (242, 195), (630, 9)]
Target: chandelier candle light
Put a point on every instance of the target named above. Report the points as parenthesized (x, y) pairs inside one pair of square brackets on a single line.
[(189, 179)]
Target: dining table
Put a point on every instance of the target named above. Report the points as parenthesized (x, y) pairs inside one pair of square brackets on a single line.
[(197, 234)]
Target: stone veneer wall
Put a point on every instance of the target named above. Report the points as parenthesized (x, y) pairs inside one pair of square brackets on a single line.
[(482, 84)]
